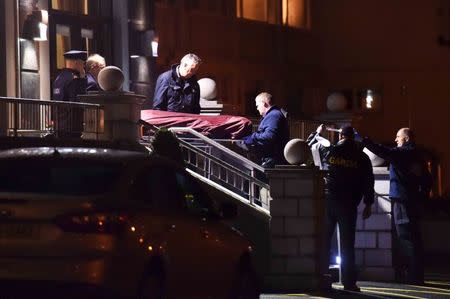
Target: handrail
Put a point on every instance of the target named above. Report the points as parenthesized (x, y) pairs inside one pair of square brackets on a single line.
[(217, 145), (228, 169), (35, 117), (47, 102), (245, 175)]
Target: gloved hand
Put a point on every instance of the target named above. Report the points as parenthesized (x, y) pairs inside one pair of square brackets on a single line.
[(358, 137), (320, 129), (247, 139)]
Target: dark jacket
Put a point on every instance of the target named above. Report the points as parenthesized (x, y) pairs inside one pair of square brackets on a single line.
[(409, 178), (173, 93), (68, 85), (270, 139), (92, 84), (349, 171)]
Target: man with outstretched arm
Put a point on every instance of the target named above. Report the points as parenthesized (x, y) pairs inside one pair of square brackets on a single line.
[(410, 183)]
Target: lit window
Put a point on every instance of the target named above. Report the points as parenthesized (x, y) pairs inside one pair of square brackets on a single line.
[(62, 44), (74, 6), (252, 9), (292, 13), (88, 36), (295, 13)]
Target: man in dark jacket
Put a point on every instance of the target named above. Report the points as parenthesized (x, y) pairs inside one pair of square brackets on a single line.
[(349, 178), (177, 89), (68, 122), (272, 135), (410, 183)]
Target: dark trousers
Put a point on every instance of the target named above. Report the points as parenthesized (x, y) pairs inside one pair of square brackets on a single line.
[(342, 213), (410, 246)]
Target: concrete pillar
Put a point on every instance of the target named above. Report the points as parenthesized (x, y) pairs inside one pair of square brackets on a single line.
[(296, 228), (120, 115)]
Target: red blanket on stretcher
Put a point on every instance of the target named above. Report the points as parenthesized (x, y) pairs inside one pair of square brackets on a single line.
[(213, 126)]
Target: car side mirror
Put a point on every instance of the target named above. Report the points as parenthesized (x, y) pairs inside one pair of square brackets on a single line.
[(228, 210)]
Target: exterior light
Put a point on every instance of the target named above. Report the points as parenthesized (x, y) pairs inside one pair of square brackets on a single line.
[(155, 43), (338, 260), (42, 33), (369, 99)]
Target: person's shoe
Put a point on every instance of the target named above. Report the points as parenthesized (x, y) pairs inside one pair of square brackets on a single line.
[(352, 288)]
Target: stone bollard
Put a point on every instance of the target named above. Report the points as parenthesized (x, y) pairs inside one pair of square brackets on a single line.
[(120, 115), (121, 110)]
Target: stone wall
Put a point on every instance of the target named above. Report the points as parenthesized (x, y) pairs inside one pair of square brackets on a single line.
[(373, 239), (296, 227), (296, 224)]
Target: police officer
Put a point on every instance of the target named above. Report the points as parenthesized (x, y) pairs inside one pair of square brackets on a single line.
[(349, 178), (177, 89), (68, 122), (410, 183), (72, 80)]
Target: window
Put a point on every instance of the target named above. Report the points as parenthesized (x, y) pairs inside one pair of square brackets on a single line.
[(252, 9), (73, 6), (295, 13), (165, 188), (292, 13), (158, 188), (88, 36), (62, 44), (56, 176), (195, 201), (77, 25)]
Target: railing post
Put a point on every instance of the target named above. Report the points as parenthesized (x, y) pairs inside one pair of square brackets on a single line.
[(16, 118), (251, 186), (97, 118), (208, 176)]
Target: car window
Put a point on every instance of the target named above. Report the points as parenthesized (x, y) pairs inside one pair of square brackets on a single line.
[(194, 199), (164, 187), (58, 176), (157, 187)]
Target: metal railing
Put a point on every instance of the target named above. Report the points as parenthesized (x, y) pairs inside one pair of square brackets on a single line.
[(38, 118), (225, 167)]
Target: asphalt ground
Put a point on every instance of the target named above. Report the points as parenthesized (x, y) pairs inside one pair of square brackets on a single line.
[(436, 287)]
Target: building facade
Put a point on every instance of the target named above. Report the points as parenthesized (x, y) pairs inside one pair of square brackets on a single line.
[(378, 64)]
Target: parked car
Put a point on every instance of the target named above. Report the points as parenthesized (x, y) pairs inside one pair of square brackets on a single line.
[(114, 222)]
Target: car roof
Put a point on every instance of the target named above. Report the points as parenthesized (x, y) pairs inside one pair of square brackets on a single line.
[(29, 142), (71, 152)]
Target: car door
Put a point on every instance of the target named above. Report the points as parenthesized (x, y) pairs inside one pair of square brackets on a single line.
[(212, 244), (182, 221)]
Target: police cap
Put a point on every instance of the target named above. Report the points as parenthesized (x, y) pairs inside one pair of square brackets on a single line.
[(76, 55), (348, 131)]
